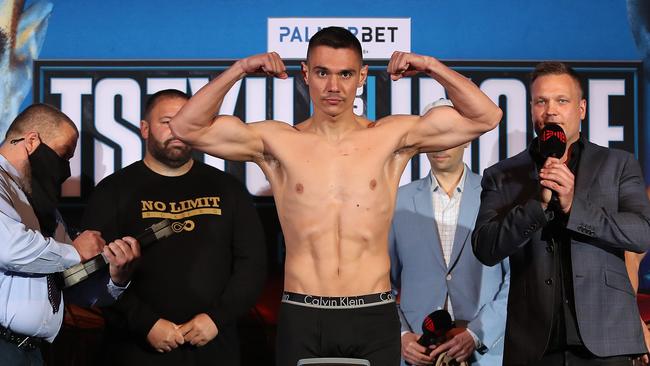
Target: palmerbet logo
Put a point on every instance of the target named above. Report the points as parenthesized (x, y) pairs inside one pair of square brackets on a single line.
[(379, 37), (365, 34)]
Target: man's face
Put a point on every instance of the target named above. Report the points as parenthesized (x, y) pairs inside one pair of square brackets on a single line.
[(63, 143), (161, 144), (557, 99), (333, 76), (447, 160)]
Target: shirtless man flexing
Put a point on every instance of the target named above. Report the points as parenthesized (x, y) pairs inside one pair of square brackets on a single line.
[(334, 179)]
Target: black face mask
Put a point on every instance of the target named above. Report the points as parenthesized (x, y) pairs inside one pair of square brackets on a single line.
[(49, 171)]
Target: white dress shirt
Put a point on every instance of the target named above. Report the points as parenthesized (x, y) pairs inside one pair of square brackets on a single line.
[(26, 257)]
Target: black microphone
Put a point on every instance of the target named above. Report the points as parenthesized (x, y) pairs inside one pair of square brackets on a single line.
[(552, 141), (434, 328), (552, 144)]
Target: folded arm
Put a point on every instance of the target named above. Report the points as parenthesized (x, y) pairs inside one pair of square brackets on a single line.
[(627, 227), (503, 228)]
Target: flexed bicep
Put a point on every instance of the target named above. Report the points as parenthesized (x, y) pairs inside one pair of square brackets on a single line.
[(440, 129), (224, 136), (230, 138)]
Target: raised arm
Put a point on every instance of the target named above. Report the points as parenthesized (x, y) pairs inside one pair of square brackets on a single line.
[(199, 125), (443, 128)]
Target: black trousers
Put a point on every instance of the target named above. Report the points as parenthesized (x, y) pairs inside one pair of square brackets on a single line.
[(579, 356), (371, 333)]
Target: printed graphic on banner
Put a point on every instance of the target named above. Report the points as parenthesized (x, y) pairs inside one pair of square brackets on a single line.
[(105, 100), (22, 32), (379, 37)]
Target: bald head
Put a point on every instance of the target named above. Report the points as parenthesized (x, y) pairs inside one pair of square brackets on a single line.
[(44, 119)]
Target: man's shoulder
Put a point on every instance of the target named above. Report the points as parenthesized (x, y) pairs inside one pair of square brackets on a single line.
[(134, 169), (414, 187), (211, 170), (522, 159), (612, 153), (473, 179)]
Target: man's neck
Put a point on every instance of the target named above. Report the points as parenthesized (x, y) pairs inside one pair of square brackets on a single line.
[(569, 149), (334, 127), (167, 170), (21, 165), (448, 180)]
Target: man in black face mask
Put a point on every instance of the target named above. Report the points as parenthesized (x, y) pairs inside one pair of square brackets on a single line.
[(34, 244)]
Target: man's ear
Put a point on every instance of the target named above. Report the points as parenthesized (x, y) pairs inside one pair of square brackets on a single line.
[(304, 69), (144, 129), (32, 141), (363, 76), (582, 108)]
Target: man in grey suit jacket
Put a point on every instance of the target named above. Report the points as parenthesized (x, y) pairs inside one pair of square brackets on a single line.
[(433, 267), (571, 302)]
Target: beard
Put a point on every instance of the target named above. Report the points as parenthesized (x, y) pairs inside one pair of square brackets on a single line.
[(26, 179), (173, 157)]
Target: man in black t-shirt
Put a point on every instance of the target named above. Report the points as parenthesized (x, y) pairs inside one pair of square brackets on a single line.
[(188, 289)]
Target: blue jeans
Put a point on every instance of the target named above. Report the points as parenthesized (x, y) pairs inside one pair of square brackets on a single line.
[(11, 355)]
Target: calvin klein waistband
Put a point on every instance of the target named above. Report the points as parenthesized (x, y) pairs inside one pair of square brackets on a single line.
[(338, 302)]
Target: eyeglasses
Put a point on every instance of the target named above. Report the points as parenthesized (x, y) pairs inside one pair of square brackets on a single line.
[(15, 141)]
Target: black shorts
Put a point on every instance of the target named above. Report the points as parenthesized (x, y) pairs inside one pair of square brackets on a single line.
[(365, 327)]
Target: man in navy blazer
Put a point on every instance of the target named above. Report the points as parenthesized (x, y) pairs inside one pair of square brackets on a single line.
[(571, 302), (429, 277)]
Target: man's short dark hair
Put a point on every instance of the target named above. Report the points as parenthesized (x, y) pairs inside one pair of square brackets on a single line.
[(42, 118), (335, 37), (158, 96), (556, 68)]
